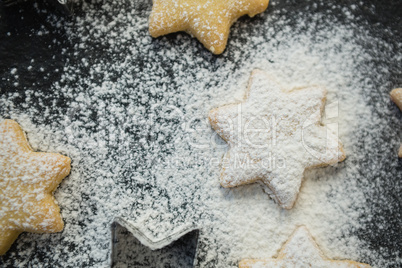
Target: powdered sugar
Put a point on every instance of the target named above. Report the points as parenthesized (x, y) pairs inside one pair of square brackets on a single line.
[(208, 20), (300, 251), (133, 118), (274, 136), (27, 180)]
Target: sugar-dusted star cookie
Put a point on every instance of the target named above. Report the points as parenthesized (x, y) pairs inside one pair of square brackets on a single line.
[(300, 251), (208, 20), (27, 180), (396, 96), (274, 136)]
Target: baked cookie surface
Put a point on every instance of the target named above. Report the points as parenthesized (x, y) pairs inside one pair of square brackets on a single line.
[(208, 20), (300, 251), (27, 180), (396, 96), (274, 136)]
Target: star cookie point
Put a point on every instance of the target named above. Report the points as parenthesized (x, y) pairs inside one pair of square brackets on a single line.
[(300, 251), (208, 20), (396, 97), (27, 181), (274, 136)]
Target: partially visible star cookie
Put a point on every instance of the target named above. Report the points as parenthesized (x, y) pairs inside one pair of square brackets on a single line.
[(208, 20), (396, 96), (300, 251), (27, 180), (274, 136)]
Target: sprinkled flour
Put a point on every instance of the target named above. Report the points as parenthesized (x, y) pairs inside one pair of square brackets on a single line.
[(298, 252), (274, 136), (27, 180), (132, 114), (208, 20)]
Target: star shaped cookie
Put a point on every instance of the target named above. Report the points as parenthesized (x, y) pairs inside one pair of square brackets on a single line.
[(396, 96), (300, 251), (274, 136), (27, 180), (208, 20)]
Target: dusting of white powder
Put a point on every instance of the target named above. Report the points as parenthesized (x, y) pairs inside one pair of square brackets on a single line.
[(135, 126), (208, 20), (301, 251), (274, 136), (24, 182)]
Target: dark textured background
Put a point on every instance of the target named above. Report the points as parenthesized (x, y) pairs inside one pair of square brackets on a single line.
[(381, 18)]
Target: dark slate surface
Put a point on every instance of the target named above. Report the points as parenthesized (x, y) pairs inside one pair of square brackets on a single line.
[(19, 48)]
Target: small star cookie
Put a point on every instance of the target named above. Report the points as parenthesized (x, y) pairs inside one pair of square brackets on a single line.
[(27, 180), (300, 251), (208, 20), (396, 96), (274, 136)]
